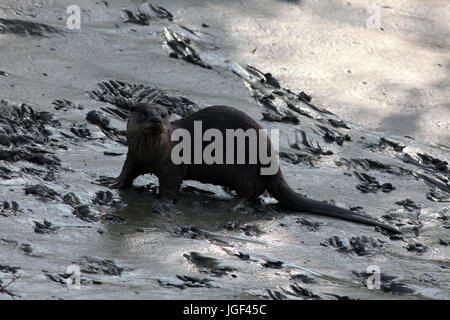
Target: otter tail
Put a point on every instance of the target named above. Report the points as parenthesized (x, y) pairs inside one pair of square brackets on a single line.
[(281, 191)]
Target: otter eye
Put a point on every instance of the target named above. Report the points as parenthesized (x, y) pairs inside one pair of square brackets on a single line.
[(132, 108)]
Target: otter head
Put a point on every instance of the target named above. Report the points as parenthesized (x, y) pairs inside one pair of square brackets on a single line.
[(148, 119)]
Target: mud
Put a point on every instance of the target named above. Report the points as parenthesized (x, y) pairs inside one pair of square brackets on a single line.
[(62, 143)]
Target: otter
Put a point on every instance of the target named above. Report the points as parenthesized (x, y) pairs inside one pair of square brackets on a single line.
[(150, 145)]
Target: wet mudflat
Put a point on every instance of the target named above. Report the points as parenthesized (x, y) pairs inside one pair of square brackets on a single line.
[(63, 110)]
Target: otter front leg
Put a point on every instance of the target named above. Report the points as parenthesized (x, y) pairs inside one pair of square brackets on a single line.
[(128, 174)]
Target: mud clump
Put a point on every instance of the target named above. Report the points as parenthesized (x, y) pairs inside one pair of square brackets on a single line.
[(45, 227), (188, 282), (8, 208), (409, 205), (270, 116), (371, 185), (387, 283), (273, 264), (22, 131), (42, 192), (71, 199), (9, 269), (180, 46), (360, 245), (145, 14), (417, 247), (95, 265), (247, 229), (330, 135), (296, 158), (303, 278), (124, 96), (310, 225), (66, 105), (102, 121), (26, 28), (207, 264), (294, 292), (84, 213)]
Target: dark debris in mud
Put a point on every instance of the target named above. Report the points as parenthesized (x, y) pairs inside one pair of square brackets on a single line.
[(247, 229), (330, 135), (293, 292), (360, 245), (207, 264), (273, 264), (191, 232), (64, 278), (271, 116), (296, 158), (85, 213), (181, 48), (94, 265), (388, 283), (282, 103), (409, 205), (102, 121), (384, 144), (42, 192), (124, 95), (303, 278), (8, 208), (370, 164), (26, 28), (145, 14), (24, 134), (310, 139), (66, 105), (417, 247), (426, 161), (188, 282), (71, 199), (45, 227), (370, 184), (310, 225), (9, 269)]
